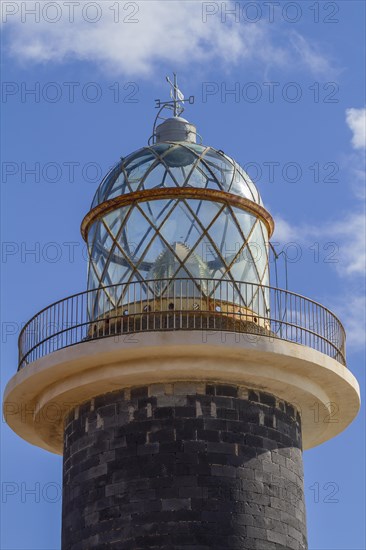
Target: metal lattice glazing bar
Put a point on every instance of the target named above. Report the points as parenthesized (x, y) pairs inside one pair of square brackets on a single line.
[(114, 262), (181, 164)]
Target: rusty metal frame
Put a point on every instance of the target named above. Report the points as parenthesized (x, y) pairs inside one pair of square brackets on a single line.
[(176, 193)]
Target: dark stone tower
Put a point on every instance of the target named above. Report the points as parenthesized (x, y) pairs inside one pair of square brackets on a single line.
[(180, 387), (184, 465)]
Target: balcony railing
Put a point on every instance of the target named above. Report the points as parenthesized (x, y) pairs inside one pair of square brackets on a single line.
[(182, 304)]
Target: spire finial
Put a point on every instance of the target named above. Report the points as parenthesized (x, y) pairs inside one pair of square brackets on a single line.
[(177, 97)]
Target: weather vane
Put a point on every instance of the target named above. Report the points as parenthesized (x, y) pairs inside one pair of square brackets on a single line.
[(177, 98)]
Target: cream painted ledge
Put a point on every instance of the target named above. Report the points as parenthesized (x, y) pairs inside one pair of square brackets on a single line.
[(37, 397)]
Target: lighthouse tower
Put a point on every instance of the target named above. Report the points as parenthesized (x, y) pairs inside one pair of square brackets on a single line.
[(180, 387)]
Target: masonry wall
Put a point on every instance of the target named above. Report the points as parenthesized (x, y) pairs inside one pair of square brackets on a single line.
[(183, 466)]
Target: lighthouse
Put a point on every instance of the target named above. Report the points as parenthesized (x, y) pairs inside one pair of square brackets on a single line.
[(180, 386)]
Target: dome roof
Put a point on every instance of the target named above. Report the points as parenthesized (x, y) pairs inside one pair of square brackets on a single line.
[(176, 164)]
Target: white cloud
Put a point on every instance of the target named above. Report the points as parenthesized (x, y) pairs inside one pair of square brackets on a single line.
[(355, 164), (310, 56), (351, 310), (356, 120), (284, 231), (167, 31), (348, 232)]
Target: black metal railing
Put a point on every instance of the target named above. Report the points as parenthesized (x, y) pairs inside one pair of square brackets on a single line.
[(182, 304)]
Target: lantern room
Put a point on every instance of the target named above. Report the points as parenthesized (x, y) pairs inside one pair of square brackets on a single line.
[(186, 223)]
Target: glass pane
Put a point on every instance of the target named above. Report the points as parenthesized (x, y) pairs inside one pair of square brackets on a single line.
[(91, 236), (156, 211), (242, 184), (119, 187), (153, 253), (114, 220), (137, 235), (138, 158), (258, 250), (135, 176), (93, 281), (205, 211), (119, 264), (196, 148), (199, 176), (160, 148), (240, 187), (244, 219), (180, 157), (243, 269), (225, 233), (156, 178), (181, 227), (265, 280), (178, 175), (207, 252), (221, 168), (105, 185)]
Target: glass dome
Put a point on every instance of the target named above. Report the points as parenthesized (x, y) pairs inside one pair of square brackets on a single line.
[(174, 164), (196, 237)]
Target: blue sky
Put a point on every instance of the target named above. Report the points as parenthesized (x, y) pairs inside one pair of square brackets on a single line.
[(295, 119)]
